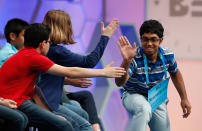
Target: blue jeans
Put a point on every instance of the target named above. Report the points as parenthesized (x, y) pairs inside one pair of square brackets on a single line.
[(139, 107), (85, 98), (15, 120), (40, 117), (76, 107), (76, 115)]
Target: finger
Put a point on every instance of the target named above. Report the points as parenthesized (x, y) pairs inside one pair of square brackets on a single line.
[(122, 41), (134, 46), (126, 40), (114, 24), (86, 79), (184, 110), (12, 102), (115, 19), (117, 73), (120, 74), (120, 70), (86, 85), (115, 27), (119, 44), (110, 64), (188, 111), (102, 26), (185, 115), (13, 106)]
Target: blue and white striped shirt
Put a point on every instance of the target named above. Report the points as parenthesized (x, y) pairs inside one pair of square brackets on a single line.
[(137, 80)]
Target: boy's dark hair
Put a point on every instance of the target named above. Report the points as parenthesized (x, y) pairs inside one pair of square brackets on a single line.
[(152, 26), (35, 34), (14, 25)]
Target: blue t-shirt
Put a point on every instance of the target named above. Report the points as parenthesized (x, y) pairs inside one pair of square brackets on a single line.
[(7, 51), (52, 85), (137, 80)]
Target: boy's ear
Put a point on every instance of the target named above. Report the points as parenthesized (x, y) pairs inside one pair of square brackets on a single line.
[(12, 36), (41, 45)]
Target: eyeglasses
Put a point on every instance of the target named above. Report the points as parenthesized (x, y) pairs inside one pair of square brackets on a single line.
[(152, 39)]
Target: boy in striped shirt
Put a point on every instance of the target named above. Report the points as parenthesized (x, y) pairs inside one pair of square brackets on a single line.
[(135, 82)]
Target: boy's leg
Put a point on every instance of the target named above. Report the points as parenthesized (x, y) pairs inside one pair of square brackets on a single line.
[(75, 107), (138, 106), (160, 120), (86, 100), (40, 117), (14, 119), (78, 122)]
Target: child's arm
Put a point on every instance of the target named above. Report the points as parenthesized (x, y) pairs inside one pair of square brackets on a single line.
[(76, 72), (127, 52)]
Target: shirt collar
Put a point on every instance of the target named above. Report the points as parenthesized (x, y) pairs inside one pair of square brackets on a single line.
[(11, 46)]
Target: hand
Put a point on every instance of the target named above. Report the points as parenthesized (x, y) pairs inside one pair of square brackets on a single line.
[(127, 51), (186, 107), (82, 82), (9, 103), (109, 29), (113, 71)]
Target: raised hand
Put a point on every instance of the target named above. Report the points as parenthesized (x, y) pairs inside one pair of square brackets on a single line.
[(115, 72), (82, 82), (110, 28), (127, 51)]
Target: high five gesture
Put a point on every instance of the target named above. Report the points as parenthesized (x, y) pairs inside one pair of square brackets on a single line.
[(127, 52)]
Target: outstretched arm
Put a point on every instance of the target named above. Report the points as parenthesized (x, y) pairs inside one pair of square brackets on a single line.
[(179, 85), (76, 72), (71, 59), (93, 58), (127, 52)]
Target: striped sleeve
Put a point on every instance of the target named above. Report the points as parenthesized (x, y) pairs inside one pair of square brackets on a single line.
[(133, 65), (172, 68)]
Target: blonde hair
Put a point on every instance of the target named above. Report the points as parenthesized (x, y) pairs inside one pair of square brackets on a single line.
[(61, 26)]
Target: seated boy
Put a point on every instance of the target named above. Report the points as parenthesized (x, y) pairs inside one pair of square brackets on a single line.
[(12, 119)]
